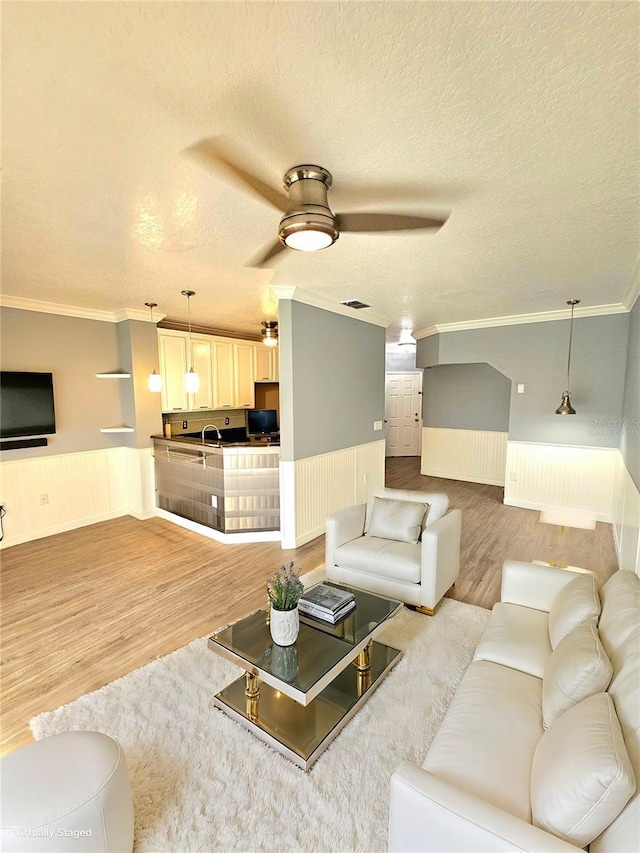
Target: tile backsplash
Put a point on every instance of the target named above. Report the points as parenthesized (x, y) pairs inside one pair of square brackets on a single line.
[(198, 420)]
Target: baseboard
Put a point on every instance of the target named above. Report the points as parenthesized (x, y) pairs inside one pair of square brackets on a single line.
[(489, 481), (143, 516), (239, 538), (606, 517), (43, 532)]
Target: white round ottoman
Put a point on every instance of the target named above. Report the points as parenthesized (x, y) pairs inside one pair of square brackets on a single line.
[(68, 792)]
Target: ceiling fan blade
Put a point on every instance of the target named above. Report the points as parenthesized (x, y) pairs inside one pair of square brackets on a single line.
[(267, 254), (364, 222), (211, 152)]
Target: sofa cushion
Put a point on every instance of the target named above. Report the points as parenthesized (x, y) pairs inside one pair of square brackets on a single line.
[(384, 557), (517, 637), (576, 603), (397, 520), (489, 735), (581, 777), (620, 609), (578, 667)]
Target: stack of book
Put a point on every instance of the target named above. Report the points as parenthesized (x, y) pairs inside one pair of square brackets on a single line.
[(326, 602)]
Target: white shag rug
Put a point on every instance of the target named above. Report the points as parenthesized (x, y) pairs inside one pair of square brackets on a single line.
[(201, 782)]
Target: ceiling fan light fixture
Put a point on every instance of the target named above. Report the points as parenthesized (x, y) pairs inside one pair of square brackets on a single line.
[(269, 333), (307, 232)]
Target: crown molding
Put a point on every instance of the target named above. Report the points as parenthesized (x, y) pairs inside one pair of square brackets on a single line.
[(522, 319), (633, 291), (298, 294), (73, 311)]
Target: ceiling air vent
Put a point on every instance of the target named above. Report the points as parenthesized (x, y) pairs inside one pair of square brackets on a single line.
[(355, 303)]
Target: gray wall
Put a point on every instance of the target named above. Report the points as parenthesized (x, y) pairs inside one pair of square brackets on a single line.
[(332, 373), (630, 437), (466, 396), (74, 350), (138, 347), (535, 354)]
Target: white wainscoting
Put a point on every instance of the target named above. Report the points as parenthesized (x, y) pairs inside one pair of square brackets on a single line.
[(313, 488), (626, 518), (477, 456), (553, 477), (81, 488)]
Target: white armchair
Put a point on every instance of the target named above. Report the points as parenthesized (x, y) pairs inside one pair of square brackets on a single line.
[(418, 573)]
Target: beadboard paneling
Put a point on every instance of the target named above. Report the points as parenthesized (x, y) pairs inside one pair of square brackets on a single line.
[(313, 488), (626, 518), (477, 456), (553, 476), (81, 488)]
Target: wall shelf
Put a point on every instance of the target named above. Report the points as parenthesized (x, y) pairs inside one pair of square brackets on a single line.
[(118, 429), (113, 376)]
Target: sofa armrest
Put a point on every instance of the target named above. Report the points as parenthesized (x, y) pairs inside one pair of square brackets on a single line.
[(429, 814), (531, 585), (440, 557), (342, 527)]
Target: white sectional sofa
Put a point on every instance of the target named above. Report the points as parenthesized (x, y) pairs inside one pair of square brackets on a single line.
[(540, 748)]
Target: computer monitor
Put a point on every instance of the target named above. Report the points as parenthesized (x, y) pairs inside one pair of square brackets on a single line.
[(262, 421)]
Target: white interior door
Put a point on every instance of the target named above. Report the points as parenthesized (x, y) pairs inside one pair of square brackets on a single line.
[(403, 419)]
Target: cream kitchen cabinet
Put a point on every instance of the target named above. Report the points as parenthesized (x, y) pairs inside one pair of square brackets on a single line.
[(203, 363), (172, 351), (227, 369), (266, 363), (223, 374)]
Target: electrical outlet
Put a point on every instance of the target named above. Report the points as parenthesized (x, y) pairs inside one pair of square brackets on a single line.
[(227, 421), (520, 389), (214, 501), (185, 425), (514, 476), (44, 499)]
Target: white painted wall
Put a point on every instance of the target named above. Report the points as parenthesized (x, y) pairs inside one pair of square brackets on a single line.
[(81, 488), (555, 477), (476, 456), (313, 488), (626, 518)]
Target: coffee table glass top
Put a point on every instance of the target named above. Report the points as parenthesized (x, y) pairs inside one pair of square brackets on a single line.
[(320, 648)]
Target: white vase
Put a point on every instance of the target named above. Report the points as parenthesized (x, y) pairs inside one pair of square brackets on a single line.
[(284, 626)]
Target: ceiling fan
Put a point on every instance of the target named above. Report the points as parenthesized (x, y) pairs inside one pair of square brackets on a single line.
[(308, 223)]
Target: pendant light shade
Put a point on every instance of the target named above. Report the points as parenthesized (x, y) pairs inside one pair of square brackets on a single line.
[(565, 407), (155, 380), (191, 378), (269, 333)]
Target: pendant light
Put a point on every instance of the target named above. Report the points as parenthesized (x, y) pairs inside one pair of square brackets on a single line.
[(155, 380), (191, 378), (269, 333), (565, 408)]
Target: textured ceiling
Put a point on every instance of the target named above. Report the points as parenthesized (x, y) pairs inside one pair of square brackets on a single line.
[(520, 119)]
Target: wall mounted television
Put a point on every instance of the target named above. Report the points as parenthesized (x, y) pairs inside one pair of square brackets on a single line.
[(26, 404), (262, 421)]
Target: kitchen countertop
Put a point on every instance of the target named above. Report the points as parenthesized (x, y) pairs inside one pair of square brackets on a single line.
[(260, 447)]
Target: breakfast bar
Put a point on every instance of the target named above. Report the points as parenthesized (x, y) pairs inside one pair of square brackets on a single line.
[(231, 488)]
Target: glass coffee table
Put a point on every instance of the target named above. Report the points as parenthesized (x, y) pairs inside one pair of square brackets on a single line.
[(297, 698)]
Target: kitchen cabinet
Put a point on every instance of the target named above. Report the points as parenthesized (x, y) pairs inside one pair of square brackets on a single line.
[(266, 363), (243, 354), (223, 374), (172, 351), (203, 363), (227, 368)]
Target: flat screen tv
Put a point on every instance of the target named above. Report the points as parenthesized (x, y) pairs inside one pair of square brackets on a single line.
[(262, 421), (26, 404)]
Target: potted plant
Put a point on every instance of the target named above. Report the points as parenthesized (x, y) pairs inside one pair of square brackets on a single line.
[(285, 589)]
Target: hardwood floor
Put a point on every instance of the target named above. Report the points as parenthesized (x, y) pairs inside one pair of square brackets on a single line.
[(83, 608)]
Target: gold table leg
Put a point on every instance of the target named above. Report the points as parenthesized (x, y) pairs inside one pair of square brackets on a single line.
[(252, 692), (362, 660)]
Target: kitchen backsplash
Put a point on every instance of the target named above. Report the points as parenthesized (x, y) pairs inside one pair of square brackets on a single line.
[(196, 421)]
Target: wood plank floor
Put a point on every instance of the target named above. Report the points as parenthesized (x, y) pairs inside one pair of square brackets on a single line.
[(83, 608)]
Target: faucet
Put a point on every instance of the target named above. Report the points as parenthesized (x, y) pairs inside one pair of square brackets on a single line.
[(204, 429)]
